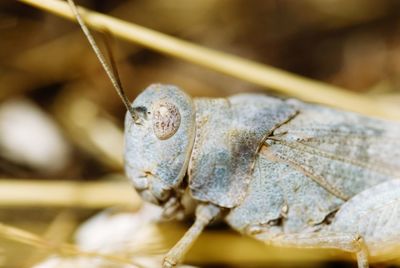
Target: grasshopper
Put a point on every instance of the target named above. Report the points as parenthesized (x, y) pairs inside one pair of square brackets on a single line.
[(284, 172)]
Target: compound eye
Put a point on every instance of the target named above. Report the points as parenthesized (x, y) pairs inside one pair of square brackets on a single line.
[(166, 120)]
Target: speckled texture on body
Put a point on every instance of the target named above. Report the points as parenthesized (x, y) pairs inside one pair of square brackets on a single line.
[(282, 199), (228, 136)]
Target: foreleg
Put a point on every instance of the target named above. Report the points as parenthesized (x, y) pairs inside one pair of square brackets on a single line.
[(204, 215)]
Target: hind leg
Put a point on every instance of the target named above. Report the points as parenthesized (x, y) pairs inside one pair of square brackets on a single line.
[(348, 242)]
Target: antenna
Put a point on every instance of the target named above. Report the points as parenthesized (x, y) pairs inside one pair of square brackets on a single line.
[(112, 75)]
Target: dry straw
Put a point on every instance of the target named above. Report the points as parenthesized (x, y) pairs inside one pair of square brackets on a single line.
[(262, 75), (66, 194), (63, 249), (91, 194)]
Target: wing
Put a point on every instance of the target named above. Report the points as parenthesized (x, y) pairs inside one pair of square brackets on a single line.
[(344, 152)]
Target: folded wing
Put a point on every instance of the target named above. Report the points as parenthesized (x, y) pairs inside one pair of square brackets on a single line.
[(343, 152)]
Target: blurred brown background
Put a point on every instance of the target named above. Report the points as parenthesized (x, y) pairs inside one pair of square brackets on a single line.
[(60, 119)]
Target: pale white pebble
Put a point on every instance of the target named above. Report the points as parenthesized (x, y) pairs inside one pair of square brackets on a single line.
[(29, 136)]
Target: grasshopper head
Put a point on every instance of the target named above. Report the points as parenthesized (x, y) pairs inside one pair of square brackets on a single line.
[(159, 132), (159, 141)]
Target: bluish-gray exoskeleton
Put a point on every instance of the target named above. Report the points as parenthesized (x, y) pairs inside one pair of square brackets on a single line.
[(282, 171)]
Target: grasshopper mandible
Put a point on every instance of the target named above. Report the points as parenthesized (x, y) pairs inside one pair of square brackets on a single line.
[(282, 171)]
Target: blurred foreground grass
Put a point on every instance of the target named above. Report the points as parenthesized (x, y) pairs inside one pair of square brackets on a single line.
[(60, 120)]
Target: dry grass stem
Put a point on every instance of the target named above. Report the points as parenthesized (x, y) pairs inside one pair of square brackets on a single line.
[(58, 231), (206, 250), (262, 75), (27, 193), (64, 249)]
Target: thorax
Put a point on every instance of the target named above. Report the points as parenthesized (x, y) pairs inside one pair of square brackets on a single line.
[(229, 132)]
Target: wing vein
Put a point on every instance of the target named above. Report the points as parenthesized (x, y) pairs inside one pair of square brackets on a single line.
[(316, 151)]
